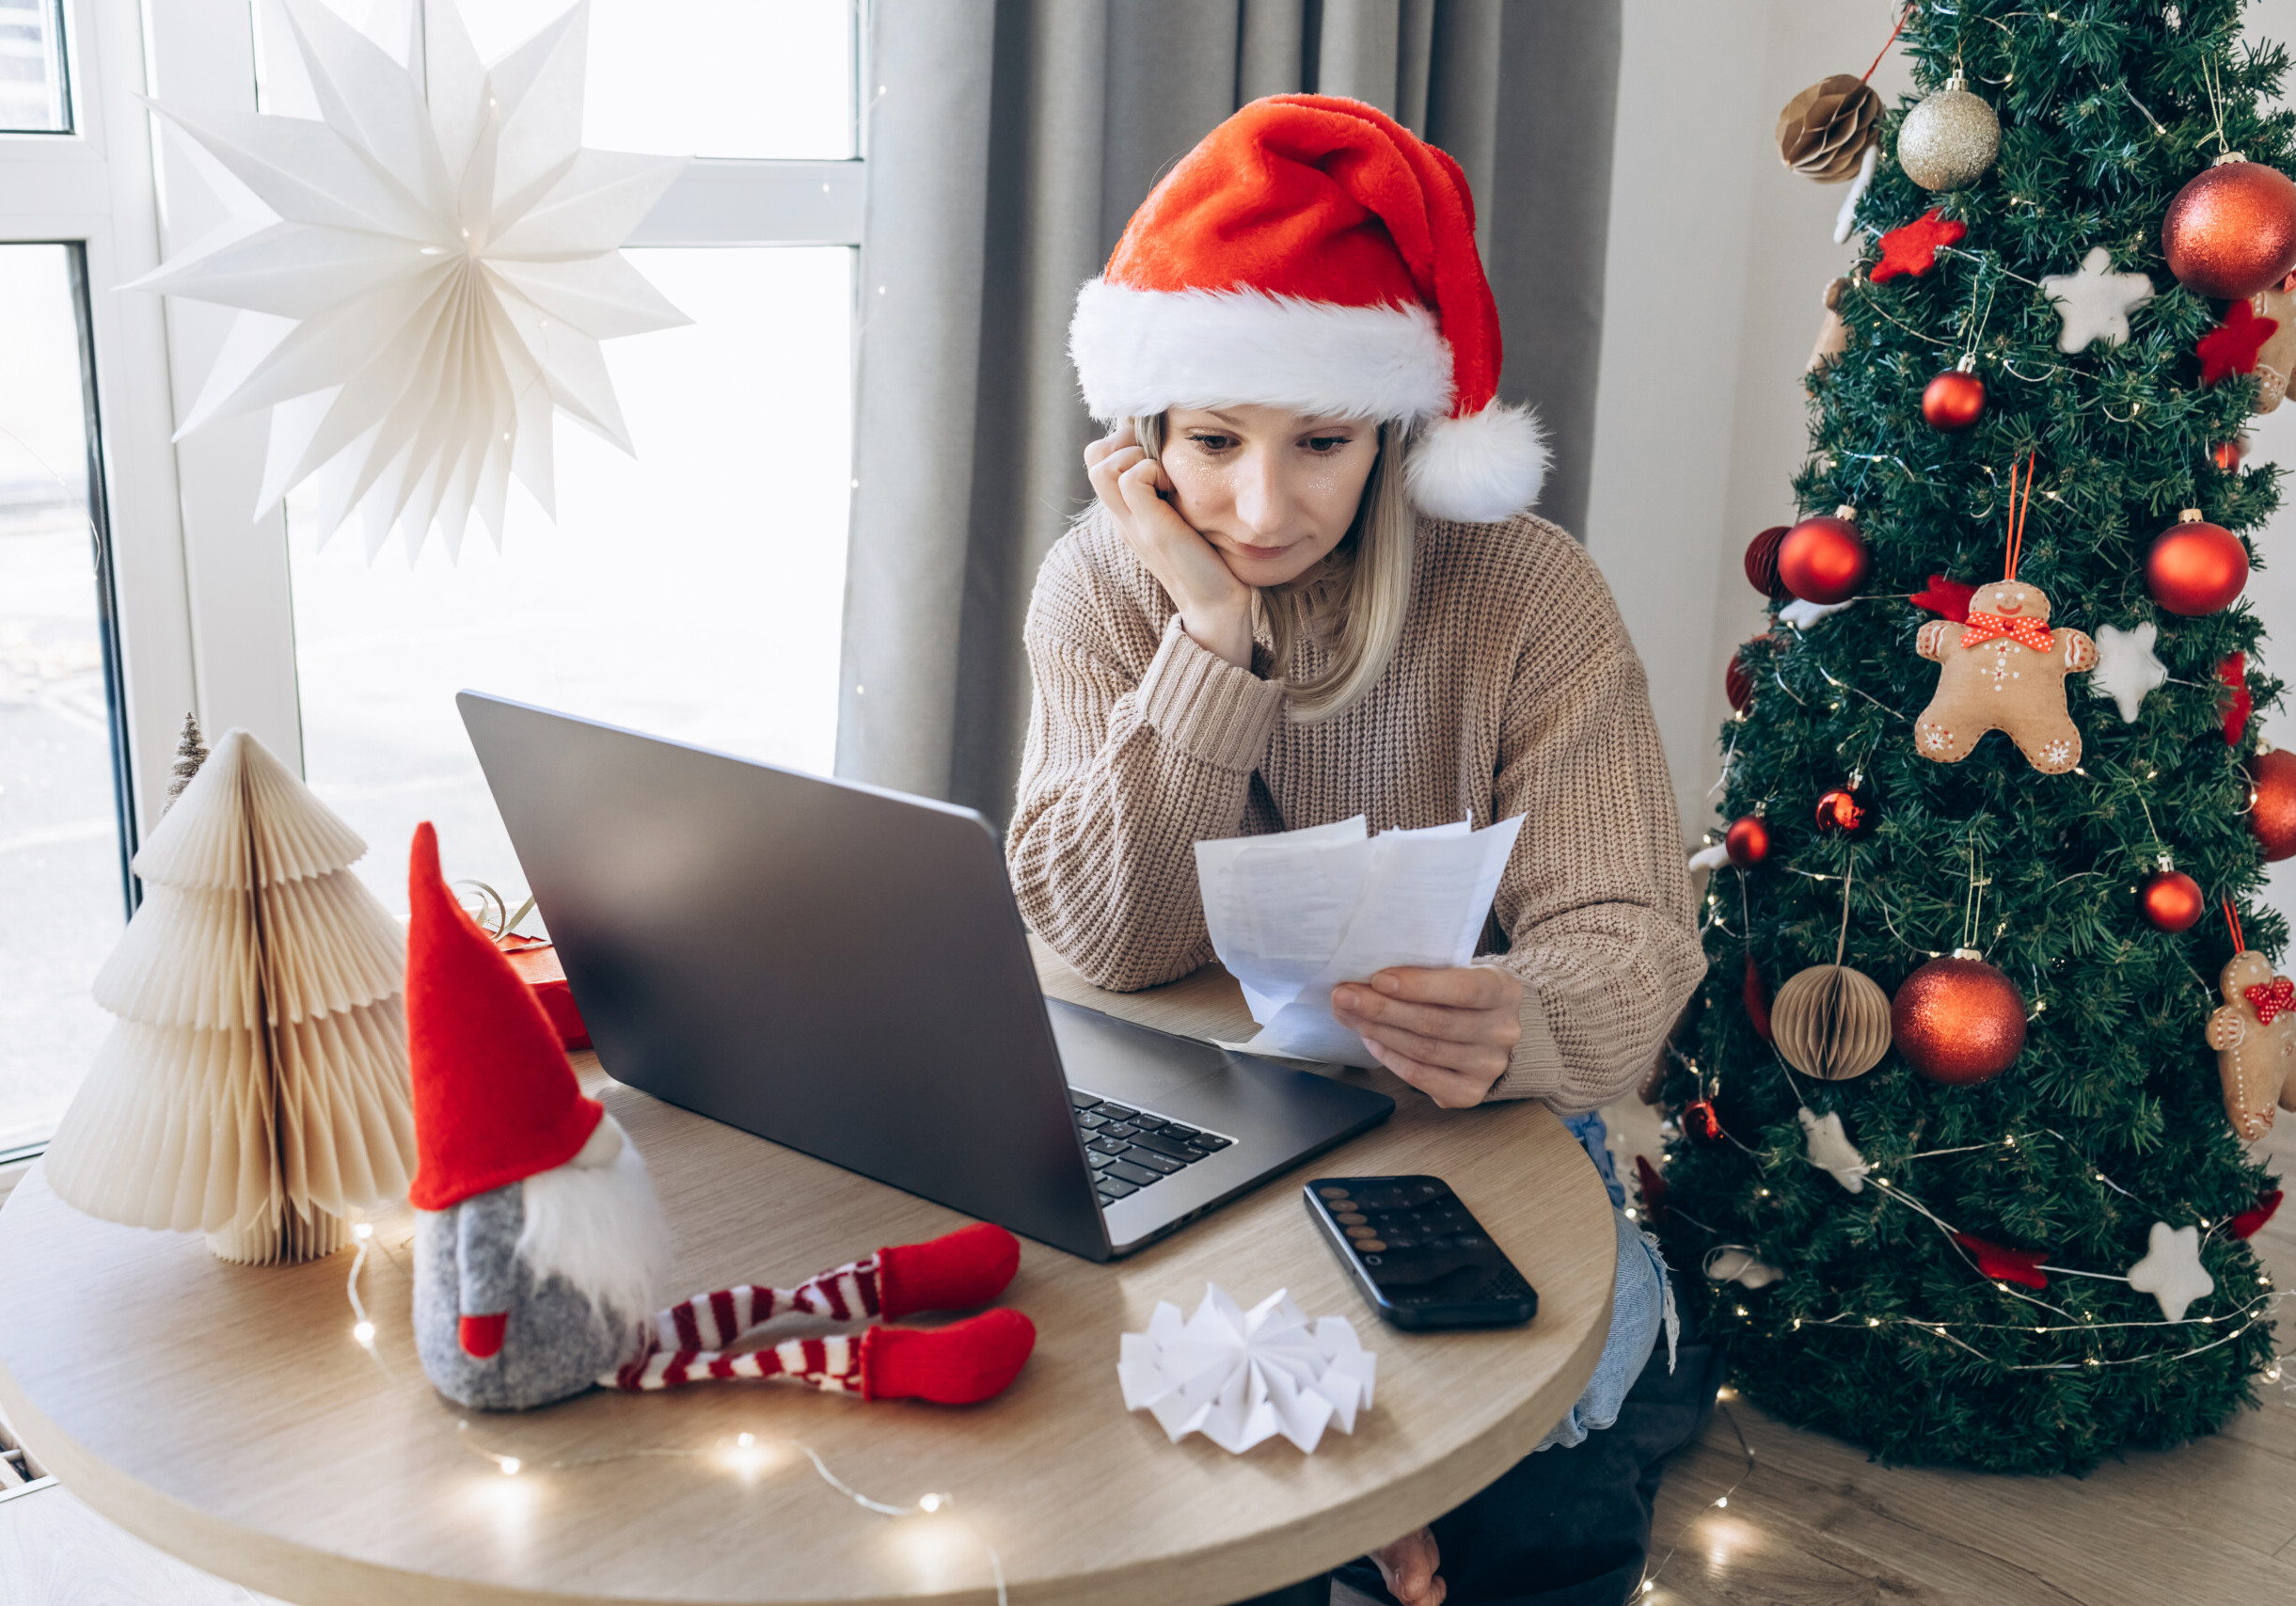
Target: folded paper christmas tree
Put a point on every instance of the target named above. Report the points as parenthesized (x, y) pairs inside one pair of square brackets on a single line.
[(254, 1088)]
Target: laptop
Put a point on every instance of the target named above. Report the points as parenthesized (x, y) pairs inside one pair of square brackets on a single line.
[(842, 969)]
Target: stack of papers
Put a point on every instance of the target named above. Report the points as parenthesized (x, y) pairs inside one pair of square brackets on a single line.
[(1294, 915)]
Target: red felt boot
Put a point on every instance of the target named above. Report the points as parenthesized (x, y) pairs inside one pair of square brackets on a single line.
[(954, 1272), (957, 1365)]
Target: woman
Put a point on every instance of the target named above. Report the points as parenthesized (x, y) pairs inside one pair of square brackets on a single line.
[(1311, 589)]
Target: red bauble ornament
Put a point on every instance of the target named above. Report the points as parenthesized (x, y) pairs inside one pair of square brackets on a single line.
[(1762, 564), (1823, 559), (2226, 454), (1845, 811), (2171, 900), (1698, 1119), (1739, 684), (2232, 231), (1958, 1021), (1954, 401), (2271, 802), (1747, 841), (2195, 567)]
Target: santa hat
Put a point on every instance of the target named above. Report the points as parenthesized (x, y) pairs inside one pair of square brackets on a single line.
[(495, 1099), (1313, 254)]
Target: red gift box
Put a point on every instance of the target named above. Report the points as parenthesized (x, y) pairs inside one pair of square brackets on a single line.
[(536, 963)]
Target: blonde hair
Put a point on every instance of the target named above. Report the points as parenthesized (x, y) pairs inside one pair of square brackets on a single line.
[(1351, 604)]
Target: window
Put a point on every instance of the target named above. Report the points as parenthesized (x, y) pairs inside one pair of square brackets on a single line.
[(696, 592), (60, 865)]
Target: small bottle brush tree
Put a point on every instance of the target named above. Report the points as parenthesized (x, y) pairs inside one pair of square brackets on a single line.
[(254, 1088), (1883, 1327)]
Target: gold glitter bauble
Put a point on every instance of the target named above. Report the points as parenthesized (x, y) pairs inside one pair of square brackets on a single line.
[(1950, 139), (1831, 1022)]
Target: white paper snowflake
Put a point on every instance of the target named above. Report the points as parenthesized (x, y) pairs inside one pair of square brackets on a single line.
[(431, 277), (1240, 1376)]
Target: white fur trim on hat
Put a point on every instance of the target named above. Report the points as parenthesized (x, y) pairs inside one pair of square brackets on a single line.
[(1480, 468), (1141, 351)]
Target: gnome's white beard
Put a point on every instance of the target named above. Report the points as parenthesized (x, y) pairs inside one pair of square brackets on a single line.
[(600, 1228)]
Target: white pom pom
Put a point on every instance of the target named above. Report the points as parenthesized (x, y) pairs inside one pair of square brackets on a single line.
[(1480, 468)]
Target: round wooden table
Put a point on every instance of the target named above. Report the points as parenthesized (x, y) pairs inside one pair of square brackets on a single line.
[(225, 1414)]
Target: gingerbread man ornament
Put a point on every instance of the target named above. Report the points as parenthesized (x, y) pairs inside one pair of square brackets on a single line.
[(2003, 670), (2255, 1038)]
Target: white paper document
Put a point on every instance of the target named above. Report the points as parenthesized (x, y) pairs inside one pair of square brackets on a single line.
[(1294, 915)]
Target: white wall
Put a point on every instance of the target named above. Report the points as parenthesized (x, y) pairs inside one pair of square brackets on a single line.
[(1717, 257)]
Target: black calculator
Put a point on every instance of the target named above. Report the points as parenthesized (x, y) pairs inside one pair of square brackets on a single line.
[(1416, 1254)]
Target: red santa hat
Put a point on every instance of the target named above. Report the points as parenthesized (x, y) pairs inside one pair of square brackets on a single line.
[(495, 1100), (1312, 253)]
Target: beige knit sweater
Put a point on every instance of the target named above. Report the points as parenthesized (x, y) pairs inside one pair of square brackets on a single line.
[(1513, 690)]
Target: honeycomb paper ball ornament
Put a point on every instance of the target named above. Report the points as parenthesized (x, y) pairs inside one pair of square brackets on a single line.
[(1958, 1021), (1950, 139), (2232, 231), (1762, 564), (2195, 567), (1831, 1022), (1747, 841), (2169, 899), (1823, 559), (1954, 401), (2271, 802), (1824, 131)]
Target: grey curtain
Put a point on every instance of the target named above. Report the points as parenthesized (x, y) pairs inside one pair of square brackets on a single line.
[(1008, 141)]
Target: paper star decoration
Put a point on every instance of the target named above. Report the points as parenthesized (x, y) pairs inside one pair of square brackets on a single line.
[(431, 279), (1913, 249), (1739, 1266), (2231, 347), (2094, 302), (2125, 667), (2004, 1265), (1831, 1148), (1802, 614), (1240, 1376), (2171, 1271)]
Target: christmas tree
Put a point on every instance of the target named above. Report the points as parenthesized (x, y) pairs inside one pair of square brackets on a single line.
[(1980, 1202), (254, 1088)]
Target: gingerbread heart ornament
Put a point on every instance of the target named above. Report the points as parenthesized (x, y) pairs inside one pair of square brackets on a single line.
[(2254, 1034), (2005, 670)]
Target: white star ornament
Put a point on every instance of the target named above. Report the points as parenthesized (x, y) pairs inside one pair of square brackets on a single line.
[(430, 276), (2171, 1271), (1831, 1150), (2095, 303), (2127, 668)]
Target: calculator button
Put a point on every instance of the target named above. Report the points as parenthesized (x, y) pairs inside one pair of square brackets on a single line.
[(1349, 1218), (1332, 1193), (1371, 1246)]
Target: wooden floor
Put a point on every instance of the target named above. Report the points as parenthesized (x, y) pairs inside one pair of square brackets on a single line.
[(1813, 1524)]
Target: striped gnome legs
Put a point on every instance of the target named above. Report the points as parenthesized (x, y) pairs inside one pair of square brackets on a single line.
[(955, 1365)]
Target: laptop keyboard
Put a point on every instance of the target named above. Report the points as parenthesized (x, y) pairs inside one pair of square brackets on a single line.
[(1132, 1149)]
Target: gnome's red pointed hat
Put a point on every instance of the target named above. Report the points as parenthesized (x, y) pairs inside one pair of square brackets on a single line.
[(495, 1100), (1314, 254)]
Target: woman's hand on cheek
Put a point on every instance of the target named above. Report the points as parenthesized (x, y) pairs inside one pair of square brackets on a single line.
[(1215, 608), (1448, 1032)]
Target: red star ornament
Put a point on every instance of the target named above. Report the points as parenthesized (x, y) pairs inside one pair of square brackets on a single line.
[(1948, 598), (1652, 1186), (1913, 249), (2233, 672), (2232, 346), (2247, 1223), (1756, 996), (2003, 1264)]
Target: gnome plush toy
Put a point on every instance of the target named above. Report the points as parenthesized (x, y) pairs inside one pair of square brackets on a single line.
[(540, 1246)]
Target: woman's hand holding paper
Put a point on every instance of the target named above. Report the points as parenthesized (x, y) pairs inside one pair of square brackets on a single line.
[(1448, 1032)]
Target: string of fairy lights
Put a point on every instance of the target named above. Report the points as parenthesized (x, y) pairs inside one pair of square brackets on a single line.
[(747, 1456)]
